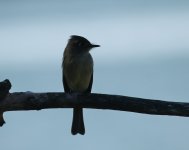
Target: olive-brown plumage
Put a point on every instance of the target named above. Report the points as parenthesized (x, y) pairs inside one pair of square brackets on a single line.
[(77, 75)]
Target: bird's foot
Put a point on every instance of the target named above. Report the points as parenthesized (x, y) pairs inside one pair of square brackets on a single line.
[(73, 95)]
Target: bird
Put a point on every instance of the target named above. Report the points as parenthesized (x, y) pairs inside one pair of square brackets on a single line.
[(77, 75)]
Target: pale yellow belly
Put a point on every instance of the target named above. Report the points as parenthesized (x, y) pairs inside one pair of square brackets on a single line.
[(78, 74), (79, 80)]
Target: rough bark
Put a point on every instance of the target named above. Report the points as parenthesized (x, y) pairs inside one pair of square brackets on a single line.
[(37, 101)]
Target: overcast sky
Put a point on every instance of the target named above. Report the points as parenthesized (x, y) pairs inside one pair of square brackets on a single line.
[(127, 29), (144, 52)]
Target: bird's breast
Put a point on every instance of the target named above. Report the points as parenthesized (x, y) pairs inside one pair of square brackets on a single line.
[(78, 72)]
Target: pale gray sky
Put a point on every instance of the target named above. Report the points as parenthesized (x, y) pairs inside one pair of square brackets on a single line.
[(144, 52)]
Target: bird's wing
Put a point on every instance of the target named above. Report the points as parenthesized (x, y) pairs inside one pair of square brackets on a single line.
[(90, 85), (66, 88)]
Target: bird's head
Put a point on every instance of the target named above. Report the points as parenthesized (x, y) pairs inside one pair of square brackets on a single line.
[(79, 44)]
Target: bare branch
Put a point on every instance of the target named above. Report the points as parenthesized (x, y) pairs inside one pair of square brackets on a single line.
[(38, 101), (5, 86)]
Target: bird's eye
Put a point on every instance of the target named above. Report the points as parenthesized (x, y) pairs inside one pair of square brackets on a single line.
[(80, 44)]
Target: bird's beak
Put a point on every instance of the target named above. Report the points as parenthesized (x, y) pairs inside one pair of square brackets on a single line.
[(94, 45)]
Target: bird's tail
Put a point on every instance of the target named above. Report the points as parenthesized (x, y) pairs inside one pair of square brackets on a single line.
[(78, 123)]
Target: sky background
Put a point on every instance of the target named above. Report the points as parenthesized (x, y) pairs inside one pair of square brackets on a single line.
[(144, 53)]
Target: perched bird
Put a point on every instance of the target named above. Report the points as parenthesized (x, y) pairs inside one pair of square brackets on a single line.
[(77, 75)]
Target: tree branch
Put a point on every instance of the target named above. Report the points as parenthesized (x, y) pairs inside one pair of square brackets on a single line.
[(5, 86), (37, 101)]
